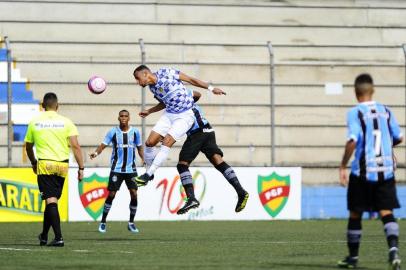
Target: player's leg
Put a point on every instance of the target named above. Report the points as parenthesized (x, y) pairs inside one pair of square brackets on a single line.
[(354, 232), (215, 156), (391, 228), (114, 184), (159, 131), (180, 124), (190, 150), (356, 203), (150, 150), (132, 188), (386, 199)]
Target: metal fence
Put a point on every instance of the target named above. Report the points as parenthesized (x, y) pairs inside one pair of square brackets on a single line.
[(277, 151)]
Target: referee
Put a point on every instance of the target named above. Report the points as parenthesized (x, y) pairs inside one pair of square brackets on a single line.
[(52, 135)]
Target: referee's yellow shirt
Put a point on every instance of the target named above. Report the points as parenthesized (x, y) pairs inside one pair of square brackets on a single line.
[(50, 134)]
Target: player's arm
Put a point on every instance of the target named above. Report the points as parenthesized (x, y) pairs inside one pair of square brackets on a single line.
[(349, 149), (77, 152), (198, 83), (140, 150), (98, 151), (159, 107), (29, 148), (196, 96)]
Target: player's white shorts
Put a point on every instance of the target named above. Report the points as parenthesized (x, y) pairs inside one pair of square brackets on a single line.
[(175, 124)]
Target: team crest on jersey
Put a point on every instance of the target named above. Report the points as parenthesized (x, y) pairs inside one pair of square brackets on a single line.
[(273, 192), (93, 192), (161, 89)]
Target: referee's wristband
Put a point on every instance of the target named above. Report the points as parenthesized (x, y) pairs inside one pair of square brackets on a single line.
[(81, 169), (210, 88)]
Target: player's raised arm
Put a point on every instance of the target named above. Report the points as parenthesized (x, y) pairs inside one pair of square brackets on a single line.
[(159, 107), (98, 151), (198, 83)]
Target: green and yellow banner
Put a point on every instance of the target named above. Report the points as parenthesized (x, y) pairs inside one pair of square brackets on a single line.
[(20, 198)]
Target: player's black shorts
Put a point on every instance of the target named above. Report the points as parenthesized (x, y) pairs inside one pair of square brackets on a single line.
[(365, 195), (204, 142), (116, 179), (50, 185)]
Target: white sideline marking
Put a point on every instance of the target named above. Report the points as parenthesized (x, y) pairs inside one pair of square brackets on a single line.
[(81, 250), (15, 249)]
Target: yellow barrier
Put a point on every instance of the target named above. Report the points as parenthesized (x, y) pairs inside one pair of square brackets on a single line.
[(20, 199)]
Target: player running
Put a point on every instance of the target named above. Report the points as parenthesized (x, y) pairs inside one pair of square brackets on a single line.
[(201, 138), (167, 86), (124, 139), (372, 132)]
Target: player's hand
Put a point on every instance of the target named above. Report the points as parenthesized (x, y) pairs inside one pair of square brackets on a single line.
[(343, 176), (218, 91), (93, 155), (144, 113), (80, 175)]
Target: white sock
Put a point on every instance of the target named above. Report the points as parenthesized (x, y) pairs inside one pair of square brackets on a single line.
[(149, 155), (159, 159)]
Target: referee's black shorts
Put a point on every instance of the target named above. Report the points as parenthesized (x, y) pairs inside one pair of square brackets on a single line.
[(50, 186), (200, 141), (365, 195)]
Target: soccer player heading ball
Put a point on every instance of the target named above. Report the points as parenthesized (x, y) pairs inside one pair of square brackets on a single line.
[(167, 86), (372, 132)]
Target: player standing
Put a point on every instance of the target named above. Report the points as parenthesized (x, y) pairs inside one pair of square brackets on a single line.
[(124, 139), (372, 132), (167, 86)]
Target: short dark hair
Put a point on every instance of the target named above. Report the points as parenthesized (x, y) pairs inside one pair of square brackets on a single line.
[(50, 100), (124, 110), (363, 78), (141, 68), (364, 85)]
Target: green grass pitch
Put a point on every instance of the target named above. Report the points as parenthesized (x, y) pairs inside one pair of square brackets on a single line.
[(312, 244)]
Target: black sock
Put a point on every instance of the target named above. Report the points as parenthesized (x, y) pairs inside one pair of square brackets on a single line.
[(231, 177), (46, 225), (187, 181), (106, 209), (391, 228), (354, 231), (133, 208), (54, 220)]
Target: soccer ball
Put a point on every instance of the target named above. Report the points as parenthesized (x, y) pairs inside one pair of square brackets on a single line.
[(96, 85)]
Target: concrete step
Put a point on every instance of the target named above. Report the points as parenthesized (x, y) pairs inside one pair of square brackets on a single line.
[(170, 52), (195, 13), (236, 94), (227, 115), (303, 73), (26, 31), (319, 155)]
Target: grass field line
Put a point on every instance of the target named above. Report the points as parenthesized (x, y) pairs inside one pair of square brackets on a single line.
[(44, 249)]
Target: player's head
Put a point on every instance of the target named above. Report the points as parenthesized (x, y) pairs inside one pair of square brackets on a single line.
[(50, 102), (142, 75), (364, 86), (124, 117)]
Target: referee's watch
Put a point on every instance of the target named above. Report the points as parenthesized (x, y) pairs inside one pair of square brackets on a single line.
[(81, 168)]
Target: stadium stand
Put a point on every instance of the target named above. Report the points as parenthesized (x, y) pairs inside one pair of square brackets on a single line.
[(60, 44)]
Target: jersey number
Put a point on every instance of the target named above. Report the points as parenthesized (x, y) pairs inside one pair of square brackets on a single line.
[(378, 140)]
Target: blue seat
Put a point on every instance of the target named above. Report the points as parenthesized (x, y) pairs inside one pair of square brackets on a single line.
[(19, 91), (19, 132), (3, 55)]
